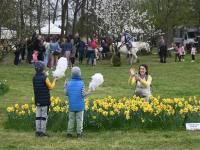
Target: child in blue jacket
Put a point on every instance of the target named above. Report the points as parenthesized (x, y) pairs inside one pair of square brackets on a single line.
[(74, 89)]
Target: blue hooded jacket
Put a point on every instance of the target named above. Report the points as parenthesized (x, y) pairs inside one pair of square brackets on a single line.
[(74, 88)]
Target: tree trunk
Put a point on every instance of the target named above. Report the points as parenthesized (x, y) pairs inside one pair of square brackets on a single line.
[(67, 20), (22, 24), (74, 24), (79, 5), (55, 10), (39, 13), (30, 14), (63, 15), (87, 21), (49, 15), (82, 21)]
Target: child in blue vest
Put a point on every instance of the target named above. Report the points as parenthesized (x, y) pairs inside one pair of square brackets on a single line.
[(74, 89), (41, 86)]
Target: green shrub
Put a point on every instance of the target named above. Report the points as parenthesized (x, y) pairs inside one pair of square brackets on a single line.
[(3, 87), (116, 61)]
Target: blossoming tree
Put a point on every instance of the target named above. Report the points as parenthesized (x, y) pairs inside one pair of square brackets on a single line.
[(118, 15)]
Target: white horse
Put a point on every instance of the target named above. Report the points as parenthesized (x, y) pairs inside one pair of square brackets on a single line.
[(136, 46)]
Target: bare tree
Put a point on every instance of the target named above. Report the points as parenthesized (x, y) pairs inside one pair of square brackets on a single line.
[(39, 12), (55, 11), (63, 16), (22, 24), (78, 6)]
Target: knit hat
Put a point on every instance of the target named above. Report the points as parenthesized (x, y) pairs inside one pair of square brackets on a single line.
[(76, 71), (39, 66)]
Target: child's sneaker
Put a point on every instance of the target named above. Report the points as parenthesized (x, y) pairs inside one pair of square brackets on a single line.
[(37, 133), (44, 134), (69, 135), (79, 135)]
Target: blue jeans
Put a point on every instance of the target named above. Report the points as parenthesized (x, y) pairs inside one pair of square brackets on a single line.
[(46, 58), (90, 55), (81, 56)]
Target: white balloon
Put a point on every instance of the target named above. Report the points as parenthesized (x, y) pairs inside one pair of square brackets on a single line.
[(61, 68), (97, 80)]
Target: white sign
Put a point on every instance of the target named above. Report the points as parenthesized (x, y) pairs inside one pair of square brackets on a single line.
[(192, 126)]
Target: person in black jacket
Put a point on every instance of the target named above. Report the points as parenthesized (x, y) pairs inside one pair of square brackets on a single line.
[(41, 86)]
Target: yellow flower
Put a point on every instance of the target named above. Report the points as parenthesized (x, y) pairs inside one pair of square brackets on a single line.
[(52, 104), (66, 110), (10, 109), (100, 110), (87, 104), (127, 117), (94, 107), (66, 102), (21, 113), (180, 104), (117, 111), (185, 110), (25, 106), (112, 113), (105, 113), (33, 109), (52, 98), (16, 106), (62, 109), (56, 109), (127, 114)]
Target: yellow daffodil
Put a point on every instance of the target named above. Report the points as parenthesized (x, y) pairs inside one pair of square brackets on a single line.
[(10, 109), (17, 106)]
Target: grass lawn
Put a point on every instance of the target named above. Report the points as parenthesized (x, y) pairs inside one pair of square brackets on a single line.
[(173, 79)]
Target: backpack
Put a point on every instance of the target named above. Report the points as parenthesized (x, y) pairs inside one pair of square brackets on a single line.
[(93, 44)]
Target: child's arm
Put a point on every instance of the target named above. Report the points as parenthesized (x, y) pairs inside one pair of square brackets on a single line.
[(49, 84), (83, 93), (65, 88)]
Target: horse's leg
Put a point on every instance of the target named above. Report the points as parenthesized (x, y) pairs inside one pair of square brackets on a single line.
[(130, 59), (134, 58)]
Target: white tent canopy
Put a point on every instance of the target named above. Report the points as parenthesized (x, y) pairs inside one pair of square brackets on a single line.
[(53, 29)]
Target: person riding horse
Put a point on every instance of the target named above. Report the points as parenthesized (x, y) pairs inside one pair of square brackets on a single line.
[(127, 39)]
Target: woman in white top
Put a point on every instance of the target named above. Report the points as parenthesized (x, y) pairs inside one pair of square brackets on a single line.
[(142, 82)]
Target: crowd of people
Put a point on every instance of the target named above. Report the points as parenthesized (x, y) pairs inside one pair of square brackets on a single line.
[(178, 48), (50, 48)]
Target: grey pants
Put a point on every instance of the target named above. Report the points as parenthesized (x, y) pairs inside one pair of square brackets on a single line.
[(78, 116), (41, 118)]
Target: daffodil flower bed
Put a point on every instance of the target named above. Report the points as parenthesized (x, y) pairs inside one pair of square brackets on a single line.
[(109, 112), (3, 87)]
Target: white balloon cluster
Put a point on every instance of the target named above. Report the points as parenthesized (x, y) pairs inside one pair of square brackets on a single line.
[(60, 68), (97, 80)]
